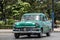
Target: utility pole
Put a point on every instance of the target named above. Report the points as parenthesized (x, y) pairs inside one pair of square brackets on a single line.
[(52, 14)]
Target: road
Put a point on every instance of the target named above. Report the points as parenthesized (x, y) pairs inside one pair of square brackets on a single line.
[(10, 36)]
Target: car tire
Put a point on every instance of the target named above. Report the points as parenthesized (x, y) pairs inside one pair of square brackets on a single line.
[(16, 35), (28, 35), (48, 34), (39, 35)]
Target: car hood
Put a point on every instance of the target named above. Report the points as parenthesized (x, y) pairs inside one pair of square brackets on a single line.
[(25, 24)]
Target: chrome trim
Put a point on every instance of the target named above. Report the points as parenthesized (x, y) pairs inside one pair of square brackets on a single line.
[(26, 31)]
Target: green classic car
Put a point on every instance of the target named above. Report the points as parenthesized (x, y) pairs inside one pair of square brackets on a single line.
[(32, 24)]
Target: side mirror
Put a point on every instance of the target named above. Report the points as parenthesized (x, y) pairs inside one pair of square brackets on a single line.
[(50, 21), (47, 18)]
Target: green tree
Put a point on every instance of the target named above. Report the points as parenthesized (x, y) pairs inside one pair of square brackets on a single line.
[(6, 12), (57, 10), (20, 8), (40, 6), (7, 6)]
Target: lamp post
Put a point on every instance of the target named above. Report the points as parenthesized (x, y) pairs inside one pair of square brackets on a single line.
[(52, 14)]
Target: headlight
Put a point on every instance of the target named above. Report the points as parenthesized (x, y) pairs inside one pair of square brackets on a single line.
[(36, 29), (14, 26)]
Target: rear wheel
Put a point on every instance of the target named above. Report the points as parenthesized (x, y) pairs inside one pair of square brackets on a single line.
[(16, 35), (39, 35)]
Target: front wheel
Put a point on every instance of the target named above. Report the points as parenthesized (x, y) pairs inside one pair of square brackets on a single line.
[(48, 34), (28, 35), (16, 35)]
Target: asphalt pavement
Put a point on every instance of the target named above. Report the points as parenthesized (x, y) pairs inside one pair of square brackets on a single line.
[(7, 34), (10, 36)]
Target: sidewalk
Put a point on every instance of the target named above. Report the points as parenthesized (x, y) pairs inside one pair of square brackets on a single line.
[(57, 29), (10, 30)]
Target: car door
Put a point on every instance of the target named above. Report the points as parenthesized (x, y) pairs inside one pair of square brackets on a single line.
[(45, 26)]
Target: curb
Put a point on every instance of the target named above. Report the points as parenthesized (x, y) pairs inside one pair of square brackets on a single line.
[(6, 30), (56, 31)]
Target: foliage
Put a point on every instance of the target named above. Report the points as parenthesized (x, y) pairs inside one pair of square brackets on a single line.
[(7, 12), (10, 21), (2, 22), (40, 6), (6, 26), (57, 11), (20, 7), (14, 9)]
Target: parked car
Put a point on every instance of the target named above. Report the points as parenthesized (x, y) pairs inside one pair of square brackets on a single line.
[(32, 24)]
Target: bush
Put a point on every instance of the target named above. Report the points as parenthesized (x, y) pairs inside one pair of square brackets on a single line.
[(10, 21), (6, 26), (2, 22)]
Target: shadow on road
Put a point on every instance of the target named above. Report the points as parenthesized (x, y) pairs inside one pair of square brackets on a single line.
[(32, 37)]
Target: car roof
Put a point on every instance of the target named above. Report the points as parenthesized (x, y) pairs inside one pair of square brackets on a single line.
[(35, 14)]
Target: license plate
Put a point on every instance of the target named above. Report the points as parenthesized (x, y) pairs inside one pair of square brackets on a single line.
[(24, 29)]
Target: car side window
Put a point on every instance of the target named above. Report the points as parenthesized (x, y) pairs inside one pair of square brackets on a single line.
[(40, 17), (43, 18)]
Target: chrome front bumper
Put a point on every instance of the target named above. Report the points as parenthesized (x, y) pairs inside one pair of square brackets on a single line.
[(26, 31)]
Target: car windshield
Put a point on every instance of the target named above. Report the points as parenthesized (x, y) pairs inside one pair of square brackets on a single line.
[(30, 17)]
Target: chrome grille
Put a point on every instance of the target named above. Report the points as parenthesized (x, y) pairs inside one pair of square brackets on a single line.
[(26, 29)]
